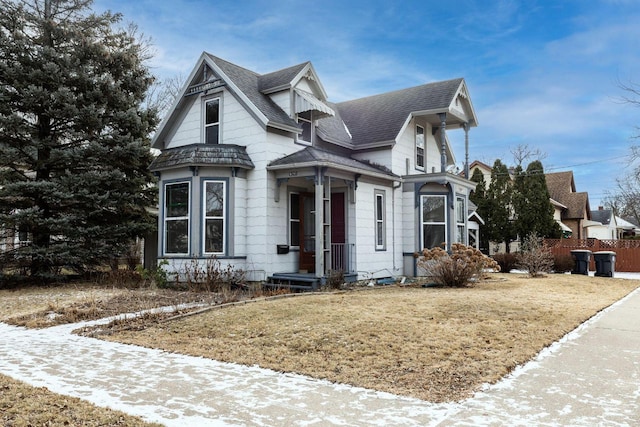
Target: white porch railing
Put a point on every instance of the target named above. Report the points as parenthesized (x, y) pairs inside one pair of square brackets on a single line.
[(343, 257)]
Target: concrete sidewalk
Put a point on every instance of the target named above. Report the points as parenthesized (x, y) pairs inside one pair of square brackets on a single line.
[(590, 377)]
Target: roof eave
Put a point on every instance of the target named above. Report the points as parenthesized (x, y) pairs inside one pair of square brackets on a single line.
[(323, 163)]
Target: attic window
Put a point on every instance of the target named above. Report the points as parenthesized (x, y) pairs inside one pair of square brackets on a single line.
[(212, 121), (419, 147)]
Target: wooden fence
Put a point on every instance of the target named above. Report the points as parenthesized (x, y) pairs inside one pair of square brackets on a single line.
[(627, 251)]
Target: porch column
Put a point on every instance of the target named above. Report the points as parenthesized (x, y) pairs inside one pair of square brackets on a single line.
[(465, 126), (443, 144), (319, 218)]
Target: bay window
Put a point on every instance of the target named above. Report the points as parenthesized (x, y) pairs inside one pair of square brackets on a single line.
[(176, 218), (434, 221), (214, 217)]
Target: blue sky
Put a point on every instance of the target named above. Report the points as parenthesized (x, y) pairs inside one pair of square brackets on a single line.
[(542, 73)]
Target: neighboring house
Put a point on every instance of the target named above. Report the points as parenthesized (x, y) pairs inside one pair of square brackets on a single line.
[(485, 169), (627, 228), (558, 208), (263, 172), (573, 206), (608, 228)]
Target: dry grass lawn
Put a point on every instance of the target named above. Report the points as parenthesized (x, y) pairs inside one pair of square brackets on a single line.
[(22, 406), (435, 344)]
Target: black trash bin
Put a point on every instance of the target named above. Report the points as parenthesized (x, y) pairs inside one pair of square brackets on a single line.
[(605, 263), (581, 259)]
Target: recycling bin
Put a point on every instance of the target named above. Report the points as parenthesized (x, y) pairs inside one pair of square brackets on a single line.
[(605, 263), (581, 259)]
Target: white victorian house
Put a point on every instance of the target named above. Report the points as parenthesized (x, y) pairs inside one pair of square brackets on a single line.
[(263, 172)]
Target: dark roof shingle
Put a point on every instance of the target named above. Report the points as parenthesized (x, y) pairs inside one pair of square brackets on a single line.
[(203, 155), (379, 118)]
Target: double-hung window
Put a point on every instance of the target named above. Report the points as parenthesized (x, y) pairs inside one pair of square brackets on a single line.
[(380, 229), (461, 230), (420, 147), (434, 221), (214, 217), (212, 121), (176, 218), (305, 120)]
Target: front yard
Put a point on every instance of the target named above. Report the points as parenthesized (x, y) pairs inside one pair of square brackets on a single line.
[(436, 344)]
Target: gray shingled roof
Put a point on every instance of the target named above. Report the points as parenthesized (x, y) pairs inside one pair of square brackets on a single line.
[(311, 155), (331, 128), (249, 83), (561, 188), (379, 118), (279, 78), (203, 155), (603, 216)]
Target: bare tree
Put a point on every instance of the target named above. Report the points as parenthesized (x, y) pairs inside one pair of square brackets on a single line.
[(523, 153)]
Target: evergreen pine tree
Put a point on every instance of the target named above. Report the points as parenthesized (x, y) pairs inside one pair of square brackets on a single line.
[(479, 198), (533, 208), (74, 133), (498, 221)]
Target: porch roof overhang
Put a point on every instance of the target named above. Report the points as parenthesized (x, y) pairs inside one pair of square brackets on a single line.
[(311, 157), (441, 178)]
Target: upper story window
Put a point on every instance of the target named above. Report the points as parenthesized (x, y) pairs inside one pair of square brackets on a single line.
[(212, 121), (419, 147), (305, 120)]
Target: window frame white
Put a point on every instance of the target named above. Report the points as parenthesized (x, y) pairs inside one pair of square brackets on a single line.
[(432, 223), (223, 217), (380, 227), (418, 147), (166, 218), (461, 222), (300, 119), (206, 125)]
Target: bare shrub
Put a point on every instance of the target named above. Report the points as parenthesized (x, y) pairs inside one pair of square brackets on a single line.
[(563, 263), (335, 279), (213, 277), (457, 269), (506, 261), (534, 257)]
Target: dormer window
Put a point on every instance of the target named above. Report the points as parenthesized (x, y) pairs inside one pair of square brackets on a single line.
[(212, 121), (304, 120)]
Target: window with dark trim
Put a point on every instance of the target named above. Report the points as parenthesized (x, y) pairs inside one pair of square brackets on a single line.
[(214, 217), (434, 221), (176, 218), (380, 228)]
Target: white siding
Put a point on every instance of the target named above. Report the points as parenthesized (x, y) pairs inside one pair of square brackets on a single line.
[(373, 263), (282, 100)]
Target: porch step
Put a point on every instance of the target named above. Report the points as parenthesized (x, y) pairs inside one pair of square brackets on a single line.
[(298, 281)]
